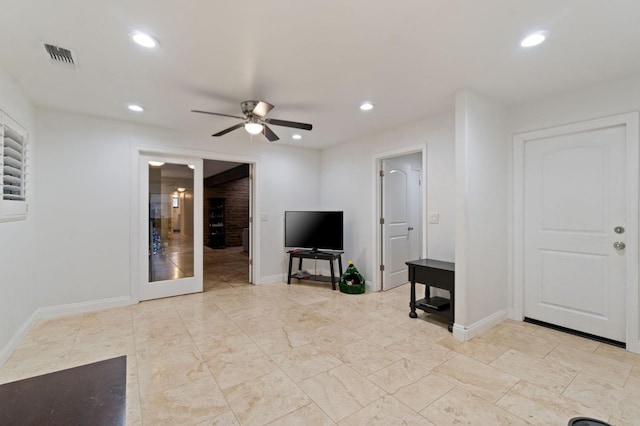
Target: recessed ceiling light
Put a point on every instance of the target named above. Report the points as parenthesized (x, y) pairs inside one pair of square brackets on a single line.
[(366, 106), (534, 39), (191, 166), (296, 136), (144, 40), (156, 163), (136, 108)]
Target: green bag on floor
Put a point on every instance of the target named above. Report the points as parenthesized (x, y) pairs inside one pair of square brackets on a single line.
[(351, 281)]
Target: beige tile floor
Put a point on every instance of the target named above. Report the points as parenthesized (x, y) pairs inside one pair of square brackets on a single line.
[(306, 355)]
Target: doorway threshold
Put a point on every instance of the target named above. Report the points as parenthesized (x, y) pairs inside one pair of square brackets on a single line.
[(576, 333)]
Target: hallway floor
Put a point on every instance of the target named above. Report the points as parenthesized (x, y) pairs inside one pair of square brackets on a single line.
[(225, 268), (303, 354)]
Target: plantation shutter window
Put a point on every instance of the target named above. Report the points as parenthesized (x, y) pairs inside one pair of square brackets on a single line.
[(13, 164)]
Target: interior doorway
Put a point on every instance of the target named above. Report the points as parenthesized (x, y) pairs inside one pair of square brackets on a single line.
[(401, 215), (226, 239)]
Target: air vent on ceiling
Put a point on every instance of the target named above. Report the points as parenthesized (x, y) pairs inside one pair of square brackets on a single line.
[(61, 56)]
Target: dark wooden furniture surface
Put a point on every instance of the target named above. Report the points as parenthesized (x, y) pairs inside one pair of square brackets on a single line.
[(331, 256), (92, 394), (433, 273)]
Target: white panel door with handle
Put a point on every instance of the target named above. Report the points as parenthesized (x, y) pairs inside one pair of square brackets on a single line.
[(401, 212), (574, 206)]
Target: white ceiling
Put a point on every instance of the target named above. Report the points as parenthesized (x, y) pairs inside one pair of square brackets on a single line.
[(315, 60)]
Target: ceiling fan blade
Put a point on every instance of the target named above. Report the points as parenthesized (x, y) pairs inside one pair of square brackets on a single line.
[(262, 109), (270, 135), (217, 113), (230, 129), (285, 123)]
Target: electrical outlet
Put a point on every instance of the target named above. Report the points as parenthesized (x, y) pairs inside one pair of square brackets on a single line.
[(434, 217)]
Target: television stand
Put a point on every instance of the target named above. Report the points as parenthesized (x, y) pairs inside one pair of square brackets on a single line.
[(331, 256)]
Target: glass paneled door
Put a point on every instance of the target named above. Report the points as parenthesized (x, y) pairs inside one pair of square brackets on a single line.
[(171, 226)]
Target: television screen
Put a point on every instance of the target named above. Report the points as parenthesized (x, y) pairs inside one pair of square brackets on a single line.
[(313, 230)]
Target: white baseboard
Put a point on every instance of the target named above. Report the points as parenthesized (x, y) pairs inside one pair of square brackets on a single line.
[(459, 332), (477, 328), (270, 279), (82, 307), (369, 286), (633, 347), (7, 350)]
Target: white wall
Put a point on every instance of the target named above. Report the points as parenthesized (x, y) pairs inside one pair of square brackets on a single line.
[(17, 239), (611, 98), (84, 176), (482, 164), (348, 183)]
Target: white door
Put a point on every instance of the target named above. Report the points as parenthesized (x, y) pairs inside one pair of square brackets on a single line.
[(574, 198), (170, 257), (415, 214), (400, 212)]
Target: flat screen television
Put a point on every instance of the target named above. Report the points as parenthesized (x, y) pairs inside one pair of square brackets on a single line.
[(315, 230)]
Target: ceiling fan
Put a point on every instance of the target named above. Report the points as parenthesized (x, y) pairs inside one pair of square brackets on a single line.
[(254, 120)]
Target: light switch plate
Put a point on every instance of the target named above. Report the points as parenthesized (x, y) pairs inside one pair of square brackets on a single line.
[(434, 217), (264, 217)]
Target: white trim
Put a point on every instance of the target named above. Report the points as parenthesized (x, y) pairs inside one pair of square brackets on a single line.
[(11, 211), (377, 237), (633, 213), (368, 286), (11, 345), (271, 279), (479, 327), (82, 307), (631, 122)]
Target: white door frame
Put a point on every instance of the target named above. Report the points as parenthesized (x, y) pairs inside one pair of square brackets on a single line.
[(137, 245), (630, 121), (378, 254)]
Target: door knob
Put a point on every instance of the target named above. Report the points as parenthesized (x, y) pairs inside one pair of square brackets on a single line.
[(619, 245)]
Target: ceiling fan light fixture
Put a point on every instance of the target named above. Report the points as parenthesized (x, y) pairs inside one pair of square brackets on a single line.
[(255, 122), (296, 136), (253, 127)]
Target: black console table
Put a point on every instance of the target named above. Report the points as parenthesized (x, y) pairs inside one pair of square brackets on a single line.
[(433, 273), (331, 256)]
